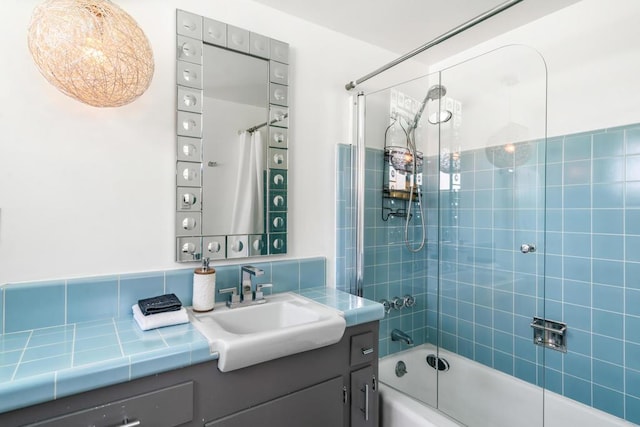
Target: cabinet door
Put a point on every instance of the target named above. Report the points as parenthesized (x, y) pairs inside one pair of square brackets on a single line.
[(320, 405), (364, 398), (168, 407)]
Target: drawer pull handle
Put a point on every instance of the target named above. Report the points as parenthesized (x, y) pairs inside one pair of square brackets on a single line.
[(127, 423), (366, 351)]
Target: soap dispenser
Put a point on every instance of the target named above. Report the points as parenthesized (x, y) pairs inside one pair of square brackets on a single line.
[(204, 287)]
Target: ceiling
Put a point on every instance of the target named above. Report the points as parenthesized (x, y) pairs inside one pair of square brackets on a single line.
[(401, 26)]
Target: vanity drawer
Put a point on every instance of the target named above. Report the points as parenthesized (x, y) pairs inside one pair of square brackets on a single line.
[(167, 407), (362, 349)]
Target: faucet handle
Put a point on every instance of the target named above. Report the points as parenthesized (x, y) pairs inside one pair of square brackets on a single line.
[(235, 298), (259, 288), (232, 291)]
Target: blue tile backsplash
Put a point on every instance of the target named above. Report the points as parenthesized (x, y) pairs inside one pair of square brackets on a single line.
[(26, 306), (103, 289), (31, 306), (482, 295)]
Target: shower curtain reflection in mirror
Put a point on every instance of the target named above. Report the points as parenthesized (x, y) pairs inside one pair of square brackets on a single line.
[(235, 100), (248, 205)]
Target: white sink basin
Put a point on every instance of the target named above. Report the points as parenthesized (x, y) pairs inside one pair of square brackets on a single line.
[(286, 324)]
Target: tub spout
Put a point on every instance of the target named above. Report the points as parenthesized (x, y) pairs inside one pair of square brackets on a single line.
[(398, 335)]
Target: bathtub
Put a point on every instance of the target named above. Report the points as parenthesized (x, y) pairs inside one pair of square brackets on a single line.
[(475, 395)]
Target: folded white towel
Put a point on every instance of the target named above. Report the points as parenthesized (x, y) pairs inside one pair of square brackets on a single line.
[(159, 320)]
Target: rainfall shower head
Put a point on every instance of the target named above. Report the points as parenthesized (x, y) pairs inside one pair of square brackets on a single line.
[(434, 93)]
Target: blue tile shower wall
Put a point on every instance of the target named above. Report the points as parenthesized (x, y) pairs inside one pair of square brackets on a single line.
[(586, 274), (390, 269), (25, 306), (592, 281)]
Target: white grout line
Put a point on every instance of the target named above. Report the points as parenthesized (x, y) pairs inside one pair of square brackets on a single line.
[(73, 345), (66, 304), (113, 321), (162, 338), (118, 298), (164, 282), (24, 350)]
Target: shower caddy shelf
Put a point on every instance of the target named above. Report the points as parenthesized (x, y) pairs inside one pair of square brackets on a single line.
[(398, 177)]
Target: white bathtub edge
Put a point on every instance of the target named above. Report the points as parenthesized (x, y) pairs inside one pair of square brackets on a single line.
[(475, 393), (399, 410)]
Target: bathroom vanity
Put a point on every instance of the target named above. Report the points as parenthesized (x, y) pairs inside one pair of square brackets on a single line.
[(334, 385)]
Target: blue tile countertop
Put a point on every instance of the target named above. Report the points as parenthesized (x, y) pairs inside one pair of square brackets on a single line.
[(39, 365)]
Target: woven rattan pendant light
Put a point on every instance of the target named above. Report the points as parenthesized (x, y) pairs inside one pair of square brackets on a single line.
[(91, 50)]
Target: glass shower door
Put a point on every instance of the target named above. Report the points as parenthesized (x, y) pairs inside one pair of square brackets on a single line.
[(400, 234), (454, 210), (491, 167)]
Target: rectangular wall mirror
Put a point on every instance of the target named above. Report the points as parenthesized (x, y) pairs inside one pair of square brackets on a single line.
[(232, 141)]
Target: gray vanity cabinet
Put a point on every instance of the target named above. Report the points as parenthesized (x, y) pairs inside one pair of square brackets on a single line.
[(326, 409), (170, 406), (363, 380), (364, 398), (326, 387), (308, 389)]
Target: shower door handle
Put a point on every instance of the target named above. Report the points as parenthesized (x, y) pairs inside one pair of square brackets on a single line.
[(526, 248)]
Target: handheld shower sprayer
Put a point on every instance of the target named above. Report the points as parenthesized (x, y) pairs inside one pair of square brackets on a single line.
[(434, 93)]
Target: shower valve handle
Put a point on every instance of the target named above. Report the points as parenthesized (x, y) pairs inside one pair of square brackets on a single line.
[(387, 305), (397, 303), (409, 301)]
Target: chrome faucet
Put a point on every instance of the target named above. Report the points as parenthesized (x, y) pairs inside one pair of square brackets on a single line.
[(398, 335), (248, 294), (247, 286)]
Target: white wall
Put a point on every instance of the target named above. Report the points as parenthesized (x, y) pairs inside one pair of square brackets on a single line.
[(592, 53), (87, 191)]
